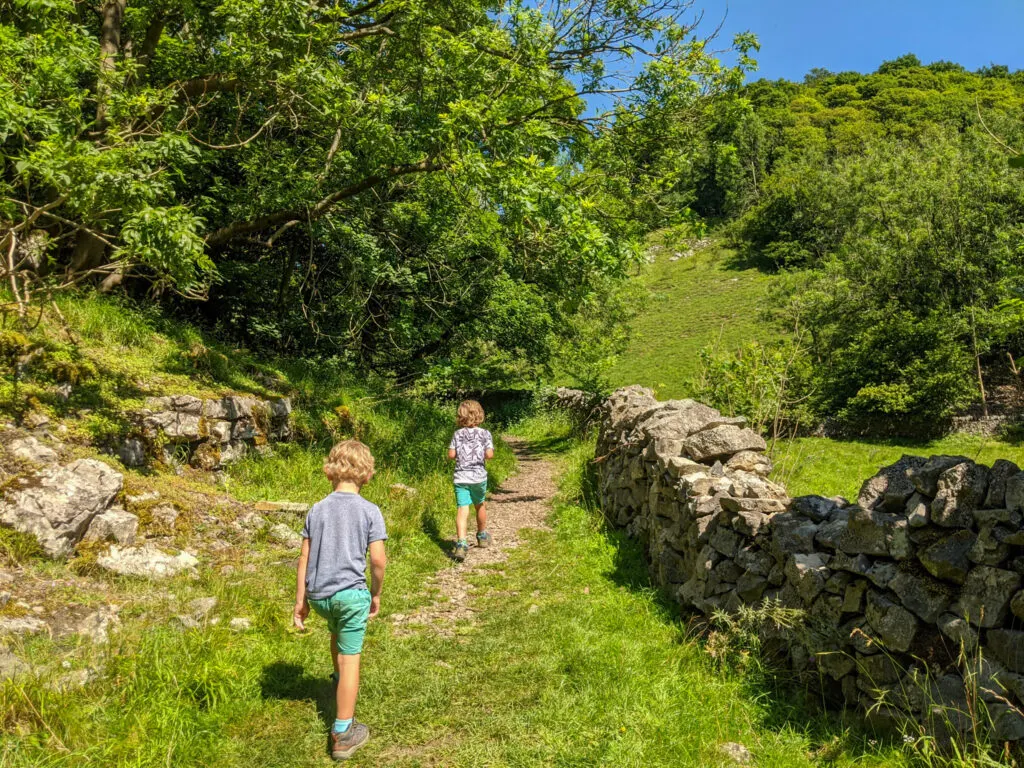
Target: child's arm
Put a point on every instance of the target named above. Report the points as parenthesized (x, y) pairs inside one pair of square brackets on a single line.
[(451, 453), (489, 452), (301, 605), (378, 563)]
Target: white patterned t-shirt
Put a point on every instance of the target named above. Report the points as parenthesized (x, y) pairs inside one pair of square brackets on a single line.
[(470, 445)]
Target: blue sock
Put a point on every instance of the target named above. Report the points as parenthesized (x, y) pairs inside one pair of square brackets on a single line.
[(340, 726)]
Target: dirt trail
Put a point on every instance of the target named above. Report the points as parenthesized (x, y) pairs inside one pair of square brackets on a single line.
[(522, 501)]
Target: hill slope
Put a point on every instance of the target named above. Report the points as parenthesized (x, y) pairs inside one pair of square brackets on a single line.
[(705, 297)]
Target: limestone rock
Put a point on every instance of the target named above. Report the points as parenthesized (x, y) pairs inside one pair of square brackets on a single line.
[(808, 574), (97, 625), (1007, 645), (146, 562), (201, 607), (736, 754), (132, 452), (751, 461), (891, 487), (924, 596), (719, 442), (30, 449), (918, 511), (1014, 493), (114, 524), (895, 626), (959, 631), (990, 548), (792, 533), (164, 515), (22, 625), (59, 505), (961, 490), (986, 596), (817, 508), (1002, 470), (240, 624), (871, 532), (11, 666), (926, 476), (282, 534), (832, 530), (948, 558), (1017, 605), (176, 427)]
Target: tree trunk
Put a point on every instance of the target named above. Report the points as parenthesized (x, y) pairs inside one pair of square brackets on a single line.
[(110, 46), (977, 365)]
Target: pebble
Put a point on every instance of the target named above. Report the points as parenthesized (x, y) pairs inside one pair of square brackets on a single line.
[(240, 624)]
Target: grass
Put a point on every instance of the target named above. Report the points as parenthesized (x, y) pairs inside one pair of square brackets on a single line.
[(817, 465), (705, 299)]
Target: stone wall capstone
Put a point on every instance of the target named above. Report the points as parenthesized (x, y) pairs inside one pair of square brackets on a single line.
[(900, 589)]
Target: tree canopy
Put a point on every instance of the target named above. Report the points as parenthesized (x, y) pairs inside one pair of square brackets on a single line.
[(396, 182)]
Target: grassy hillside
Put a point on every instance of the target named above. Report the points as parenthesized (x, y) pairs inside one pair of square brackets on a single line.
[(703, 298)]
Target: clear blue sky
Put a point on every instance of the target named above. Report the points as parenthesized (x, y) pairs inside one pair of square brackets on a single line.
[(839, 35)]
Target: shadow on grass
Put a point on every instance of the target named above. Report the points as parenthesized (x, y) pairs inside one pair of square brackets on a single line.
[(281, 680), (430, 527)]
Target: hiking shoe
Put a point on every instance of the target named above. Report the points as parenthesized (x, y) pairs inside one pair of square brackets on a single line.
[(461, 550), (483, 539), (344, 745)]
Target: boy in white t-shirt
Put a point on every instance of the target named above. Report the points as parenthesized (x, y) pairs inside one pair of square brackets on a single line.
[(471, 447)]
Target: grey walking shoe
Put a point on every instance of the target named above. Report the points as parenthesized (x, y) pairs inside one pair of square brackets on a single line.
[(483, 539), (344, 745), (461, 550)]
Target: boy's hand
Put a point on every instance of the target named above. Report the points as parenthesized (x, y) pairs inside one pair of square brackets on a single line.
[(374, 606), (300, 614)]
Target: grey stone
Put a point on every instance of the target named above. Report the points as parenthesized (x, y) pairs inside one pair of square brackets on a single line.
[(749, 522), (961, 490), (98, 625), (986, 595), (792, 533), (751, 461), (11, 666), (853, 597), (895, 626), (220, 431), (1002, 470), (818, 508), (891, 487), (831, 531), (948, 558), (280, 408), (724, 541), (807, 574), (61, 502), (958, 630), (176, 427), (986, 517), (753, 560), (132, 452), (858, 565), (282, 534), (165, 515), (836, 664), (918, 511), (201, 607), (924, 596), (1014, 493), (240, 624), (926, 477), (1017, 605), (736, 754), (881, 573), (750, 587), (146, 562), (114, 524), (30, 449), (871, 532), (988, 548), (723, 441), (1007, 645), (22, 625)]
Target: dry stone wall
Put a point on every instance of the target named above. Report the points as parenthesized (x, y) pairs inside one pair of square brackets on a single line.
[(911, 595), (210, 433)]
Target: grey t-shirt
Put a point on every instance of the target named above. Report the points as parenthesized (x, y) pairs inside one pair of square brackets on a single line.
[(340, 529), (470, 445)]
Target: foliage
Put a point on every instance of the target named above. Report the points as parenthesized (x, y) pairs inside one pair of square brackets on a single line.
[(399, 184)]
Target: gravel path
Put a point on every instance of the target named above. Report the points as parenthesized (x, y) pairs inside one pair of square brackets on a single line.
[(522, 501)]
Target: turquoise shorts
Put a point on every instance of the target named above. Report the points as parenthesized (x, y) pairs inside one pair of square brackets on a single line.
[(474, 493), (346, 612)]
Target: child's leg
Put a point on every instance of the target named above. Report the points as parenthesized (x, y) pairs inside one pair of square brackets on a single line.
[(348, 684), (335, 655), (461, 523), (481, 516)]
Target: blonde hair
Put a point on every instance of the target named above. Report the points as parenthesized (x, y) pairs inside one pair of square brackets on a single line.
[(349, 461), (470, 414)]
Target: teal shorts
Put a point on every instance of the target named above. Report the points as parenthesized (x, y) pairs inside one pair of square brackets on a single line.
[(470, 494), (346, 612)]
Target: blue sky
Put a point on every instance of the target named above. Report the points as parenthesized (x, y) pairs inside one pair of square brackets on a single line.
[(839, 35)]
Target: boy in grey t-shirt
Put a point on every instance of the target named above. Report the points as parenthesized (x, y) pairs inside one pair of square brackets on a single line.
[(331, 578), (471, 447)]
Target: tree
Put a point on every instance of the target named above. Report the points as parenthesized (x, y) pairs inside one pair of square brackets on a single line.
[(362, 170)]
